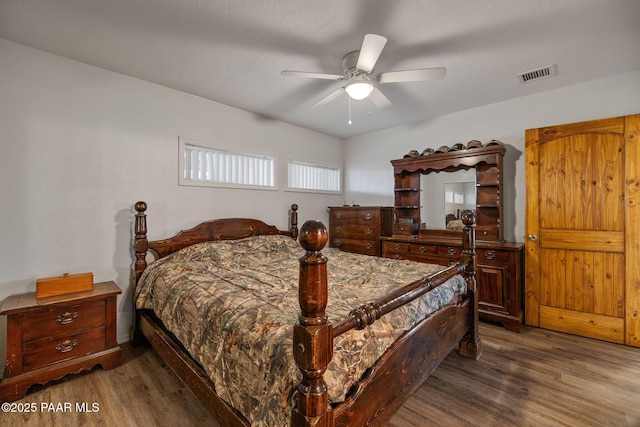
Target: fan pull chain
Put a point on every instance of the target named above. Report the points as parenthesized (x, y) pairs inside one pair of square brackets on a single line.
[(348, 97)]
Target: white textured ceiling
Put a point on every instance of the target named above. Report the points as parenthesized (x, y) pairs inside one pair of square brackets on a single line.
[(232, 51)]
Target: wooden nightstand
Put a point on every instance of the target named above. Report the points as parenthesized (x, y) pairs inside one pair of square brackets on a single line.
[(48, 338)]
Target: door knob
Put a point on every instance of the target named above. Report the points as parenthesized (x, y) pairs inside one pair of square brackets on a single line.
[(533, 237)]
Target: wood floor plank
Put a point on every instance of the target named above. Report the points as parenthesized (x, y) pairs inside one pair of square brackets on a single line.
[(535, 378)]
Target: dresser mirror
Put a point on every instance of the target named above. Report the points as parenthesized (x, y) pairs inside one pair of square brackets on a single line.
[(445, 196), (419, 187)]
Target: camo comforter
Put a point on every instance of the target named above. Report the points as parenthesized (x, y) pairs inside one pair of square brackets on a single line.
[(233, 304)]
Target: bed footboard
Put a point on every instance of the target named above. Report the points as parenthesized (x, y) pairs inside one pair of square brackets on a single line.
[(424, 346), (402, 369)]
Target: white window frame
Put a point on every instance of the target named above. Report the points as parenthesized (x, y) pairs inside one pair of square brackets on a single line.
[(319, 166), (184, 143)]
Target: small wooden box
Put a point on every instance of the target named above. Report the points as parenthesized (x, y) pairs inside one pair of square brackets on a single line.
[(65, 284)]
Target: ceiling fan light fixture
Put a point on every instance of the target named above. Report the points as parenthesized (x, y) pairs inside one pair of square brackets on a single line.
[(360, 83), (359, 90)]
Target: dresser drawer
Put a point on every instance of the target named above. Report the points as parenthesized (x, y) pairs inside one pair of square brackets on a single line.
[(450, 252), (394, 249), (487, 232), (412, 252), (360, 216), (490, 256), (405, 229), (355, 231), (44, 351), (59, 321), (419, 249), (366, 247)]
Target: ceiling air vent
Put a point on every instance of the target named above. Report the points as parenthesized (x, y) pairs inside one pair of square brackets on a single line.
[(537, 74)]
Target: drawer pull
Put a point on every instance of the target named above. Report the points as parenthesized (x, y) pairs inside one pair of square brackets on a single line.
[(66, 318), (338, 216), (66, 346), (368, 232), (422, 249), (368, 217), (451, 251), (368, 246), (397, 257), (396, 246), (490, 254), (338, 229), (338, 243)]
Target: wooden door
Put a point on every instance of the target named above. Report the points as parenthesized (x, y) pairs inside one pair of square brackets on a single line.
[(582, 225)]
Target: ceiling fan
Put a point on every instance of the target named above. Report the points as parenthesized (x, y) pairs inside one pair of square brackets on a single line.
[(361, 84)]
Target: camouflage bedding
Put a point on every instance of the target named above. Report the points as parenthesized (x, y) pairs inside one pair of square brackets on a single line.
[(233, 305)]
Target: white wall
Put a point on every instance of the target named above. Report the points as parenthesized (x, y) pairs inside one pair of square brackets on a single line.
[(369, 177), (80, 145)]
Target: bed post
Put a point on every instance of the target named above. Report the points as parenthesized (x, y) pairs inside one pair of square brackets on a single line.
[(470, 344), (293, 221), (141, 244), (312, 333)]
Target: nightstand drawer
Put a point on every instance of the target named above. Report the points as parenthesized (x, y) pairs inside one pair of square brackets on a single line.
[(65, 320), (44, 351)]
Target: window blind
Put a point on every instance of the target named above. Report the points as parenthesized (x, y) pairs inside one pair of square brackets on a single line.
[(307, 176), (203, 164)]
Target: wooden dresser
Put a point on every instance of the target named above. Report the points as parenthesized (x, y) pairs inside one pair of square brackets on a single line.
[(359, 228), (48, 338), (499, 272), (500, 264)]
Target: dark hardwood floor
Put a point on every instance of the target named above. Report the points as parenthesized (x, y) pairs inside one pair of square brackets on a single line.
[(535, 378)]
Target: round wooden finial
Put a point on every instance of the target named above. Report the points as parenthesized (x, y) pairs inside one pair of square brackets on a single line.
[(141, 206), (313, 235), (469, 218), (294, 207)]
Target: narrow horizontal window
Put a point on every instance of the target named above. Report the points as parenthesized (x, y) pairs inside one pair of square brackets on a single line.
[(216, 167), (313, 177)]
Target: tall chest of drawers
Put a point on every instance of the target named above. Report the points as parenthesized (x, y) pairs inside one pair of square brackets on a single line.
[(358, 228), (48, 338)]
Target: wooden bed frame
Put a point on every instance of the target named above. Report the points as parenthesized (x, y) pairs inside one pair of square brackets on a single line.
[(385, 387)]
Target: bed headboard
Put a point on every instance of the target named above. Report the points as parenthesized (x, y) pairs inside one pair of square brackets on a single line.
[(217, 229)]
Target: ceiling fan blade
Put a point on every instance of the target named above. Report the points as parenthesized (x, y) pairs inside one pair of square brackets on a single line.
[(419, 75), (370, 51), (312, 75), (379, 100), (333, 95)]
